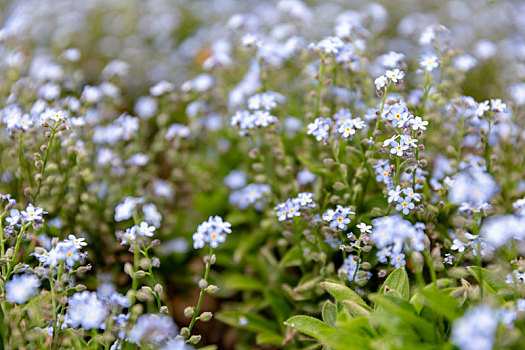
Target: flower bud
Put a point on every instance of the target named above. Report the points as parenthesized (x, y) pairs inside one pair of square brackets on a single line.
[(211, 289), (203, 283), (328, 161), (194, 339), (257, 167), (128, 269), (80, 287), (189, 311), (144, 263), (185, 332), (205, 316), (339, 186)]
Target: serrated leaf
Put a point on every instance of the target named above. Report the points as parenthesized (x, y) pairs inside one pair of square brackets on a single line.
[(342, 293), (397, 281), (329, 313)]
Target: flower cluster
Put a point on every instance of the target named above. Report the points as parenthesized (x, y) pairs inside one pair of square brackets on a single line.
[(213, 231), (293, 206), (393, 235), (252, 194), (338, 218), (67, 251), (259, 115)]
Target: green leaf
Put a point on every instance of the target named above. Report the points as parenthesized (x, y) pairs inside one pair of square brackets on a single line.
[(269, 338), (246, 244), (310, 326), (342, 293), (356, 338), (397, 281), (355, 309), (247, 320), (242, 282), (398, 307), (493, 281), (279, 305), (292, 257), (329, 313), (442, 303)]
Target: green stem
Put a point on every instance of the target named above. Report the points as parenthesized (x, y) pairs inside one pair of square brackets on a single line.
[(335, 152), (425, 95), (378, 123), (153, 280), (46, 158), (2, 247), (357, 267), (23, 164), (398, 170), (319, 86), (201, 295), (430, 264), (17, 247), (135, 280), (487, 145)]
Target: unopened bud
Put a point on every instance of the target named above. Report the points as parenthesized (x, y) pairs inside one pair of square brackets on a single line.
[(145, 263), (366, 265), (128, 269), (212, 289), (205, 316), (141, 274), (80, 287), (189, 311), (144, 296), (203, 283), (185, 332), (257, 167), (339, 186), (194, 339), (158, 288), (254, 153), (328, 161), (367, 248)]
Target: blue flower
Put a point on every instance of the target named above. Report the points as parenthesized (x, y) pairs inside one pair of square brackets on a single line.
[(21, 287)]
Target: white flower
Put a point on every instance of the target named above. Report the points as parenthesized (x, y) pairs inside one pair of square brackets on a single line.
[(395, 75), (419, 124), (364, 228), (380, 82), (497, 105), (145, 230), (53, 114), (429, 62)]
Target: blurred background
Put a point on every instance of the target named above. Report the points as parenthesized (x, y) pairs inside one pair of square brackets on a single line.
[(136, 44)]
